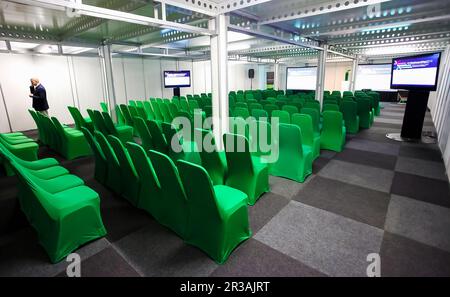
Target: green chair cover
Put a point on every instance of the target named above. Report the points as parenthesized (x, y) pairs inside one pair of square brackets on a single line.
[(331, 107), (104, 107), (291, 109), (101, 167), (129, 178), (241, 112), (283, 116), (73, 143), (245, 173), (79, 120), (144, 134), (171, 207), (41, 130), (364, 113), (113, 179), (270, 108), (149, 111), (159, 141), (351, 118), (218, 215), (260, 114), (295, 159), (315, 116), (304, 122), (99, 122), (333, 131), (123, 132)]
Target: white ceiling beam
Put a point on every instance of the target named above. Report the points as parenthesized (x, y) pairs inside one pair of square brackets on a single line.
[(232, 5), (83, 9), (318, 9), (205, 7)]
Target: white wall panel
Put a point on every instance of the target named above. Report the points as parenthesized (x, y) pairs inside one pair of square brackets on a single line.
[(134, 78), (4, 124), (119, 80), (88, 82), (153, 83), (54, 75), (186, 65)]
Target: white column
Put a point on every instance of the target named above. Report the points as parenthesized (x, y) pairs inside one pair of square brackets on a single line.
[(105, 52), (353, 77), (276, 76), (320, 85), (219, 77)]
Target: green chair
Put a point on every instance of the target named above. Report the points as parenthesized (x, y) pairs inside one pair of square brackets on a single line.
[(149, 110), (173, 109), (283, 116), (184, 106), (212, 160), (364, 113), (99, 122), (101, 166), (41, 130), (126, 114), (291, 109), (260, 114), (295, 158), (218, 215), (270, 108), (79, 120), (104, 107), (128, 175), (330, 107), (245, 173), (144, 134), (333, 131), (158, 115), (313, 104), (180, 148), (241, 112), (113, 179), (193, 105), (253, 106), (167, 117), (123, 132), (73, 143), (351, 118), (159, 141), (315, 116), (305, 123), (170, 207), (64, 220)]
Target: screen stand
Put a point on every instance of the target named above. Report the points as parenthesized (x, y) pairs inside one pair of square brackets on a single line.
[(416, 108), (176, 92)]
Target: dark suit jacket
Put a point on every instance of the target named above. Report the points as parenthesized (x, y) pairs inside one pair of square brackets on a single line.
[(40, 98)]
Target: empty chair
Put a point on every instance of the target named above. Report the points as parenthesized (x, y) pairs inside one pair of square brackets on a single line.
[(144, 133), (294, 159), (158, 115), (305, 123), (331, 107), (245, 173), (218, 215), (291, 109), (270, 108), (312, 104), (283, 116), (173, 109), (167, 117), (104, 106), (101, 166), (79, 120), (184, 106), (170, 207), (113, 179), (255, 106), (128, 175), (315, 116), (350, 114), (126, 115), (364, 113), (149, 110), (193, 105), (212, 160), (241, 112), (260, 114), (333, 131), (242, 104), (123, 132), (159, 141), (99, 123), (73, 144)]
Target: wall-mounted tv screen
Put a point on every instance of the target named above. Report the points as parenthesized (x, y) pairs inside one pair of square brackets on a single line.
[(416, 72), (177, 79), (301, 78)]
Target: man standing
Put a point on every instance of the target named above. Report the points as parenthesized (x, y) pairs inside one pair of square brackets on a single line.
[(39, 95)]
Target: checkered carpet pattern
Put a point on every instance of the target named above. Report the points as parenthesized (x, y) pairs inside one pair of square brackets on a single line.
[(377, 196)]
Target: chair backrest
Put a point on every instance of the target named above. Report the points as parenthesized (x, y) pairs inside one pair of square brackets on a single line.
[(270, 108), (75, 117), (241, 105), (104, 106), (255, 106), (132, 103), (144, 133), (283, 116), (173, 109), (349, 110), (290, 142), (237, 150), (52, 135), (184, 106), (95, 146), (305, 123), (109, 124), (156, 110), (332, 123), (165, 112), (140, 110), (126, 114), (260, 114), (314, 116), (291, 109), (107, 150), (200, 193), (125, 162), (332, 107), (159, 142), (99, 123), (172, 139), (149, 110), (193, 105), (241, 112), (210, 157), (42, 133), (168, 176)]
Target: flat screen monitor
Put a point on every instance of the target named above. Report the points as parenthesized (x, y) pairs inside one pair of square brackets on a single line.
[(177, 79), (301, 78), (416, 72)]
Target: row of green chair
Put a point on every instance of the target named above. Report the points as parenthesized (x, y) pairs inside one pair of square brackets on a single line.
[(103, 123), (181, 197), (20, 145), (69, 142), (64, 212)]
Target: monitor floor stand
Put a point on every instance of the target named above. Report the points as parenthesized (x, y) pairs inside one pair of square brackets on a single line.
[(416, 108)]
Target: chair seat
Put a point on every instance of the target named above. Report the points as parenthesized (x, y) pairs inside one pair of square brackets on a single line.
[(229, 199), (73, 197), (62, 183), (51, 172)]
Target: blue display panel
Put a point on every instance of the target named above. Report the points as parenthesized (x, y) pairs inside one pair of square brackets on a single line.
[(177, 79), (416, 73)]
